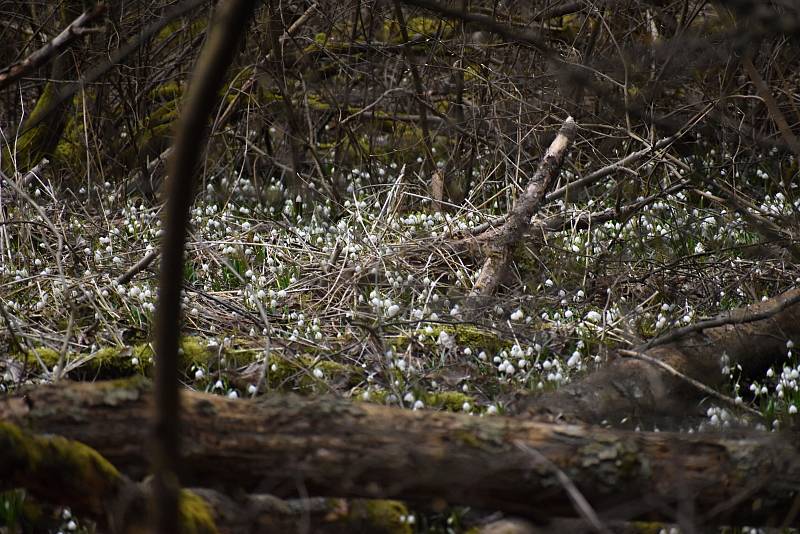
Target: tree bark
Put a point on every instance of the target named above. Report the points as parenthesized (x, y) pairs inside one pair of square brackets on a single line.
[(497, 244), (330, 447)]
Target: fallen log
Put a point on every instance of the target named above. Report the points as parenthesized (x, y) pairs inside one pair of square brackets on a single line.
[(634, 392), (64, 472), (282, 445)]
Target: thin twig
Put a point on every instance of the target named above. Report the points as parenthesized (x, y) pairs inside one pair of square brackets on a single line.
[(582, 506), (737, 316)]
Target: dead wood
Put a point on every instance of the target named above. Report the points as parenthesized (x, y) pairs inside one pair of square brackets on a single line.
[(632, 392), (64, 472), (332, 447), (496, 244)]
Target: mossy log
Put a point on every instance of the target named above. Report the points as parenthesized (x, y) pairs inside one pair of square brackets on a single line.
[(331, 447), (67, 472), (60, 471)]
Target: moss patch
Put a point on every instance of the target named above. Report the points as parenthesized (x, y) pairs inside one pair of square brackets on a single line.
[(41, 140), (297, 374), (196, 516), (475, 338), (120, 362), (452, 401), (380, 516)]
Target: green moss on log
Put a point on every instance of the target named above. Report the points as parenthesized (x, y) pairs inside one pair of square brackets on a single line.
[(66, 472), (195, 514), (120, 362), (40, 141), (379, 516)]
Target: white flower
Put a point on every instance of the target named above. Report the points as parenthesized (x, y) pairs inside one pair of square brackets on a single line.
[(491, 410), (574, 359), (517, 315), (444, 339), (792, 409), (467, 407), (392, 310), (594, 316), (318, 373), (233, 395), (418, 405), (251, 389)]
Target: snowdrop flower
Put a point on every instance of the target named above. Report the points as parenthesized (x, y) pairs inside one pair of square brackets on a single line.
[(575, 359), (517, 315), (444, 339), (318, 373), (593, 316)]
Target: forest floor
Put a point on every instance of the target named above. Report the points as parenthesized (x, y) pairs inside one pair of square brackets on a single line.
[(364, 299)]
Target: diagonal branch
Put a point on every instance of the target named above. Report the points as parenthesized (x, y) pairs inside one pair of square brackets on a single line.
[(498, 243), (40, 57)]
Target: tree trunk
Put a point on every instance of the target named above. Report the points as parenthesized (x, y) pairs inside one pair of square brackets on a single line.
[(283, 445)]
